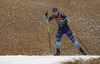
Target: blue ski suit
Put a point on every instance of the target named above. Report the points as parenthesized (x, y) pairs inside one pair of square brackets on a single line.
[(62, 21)]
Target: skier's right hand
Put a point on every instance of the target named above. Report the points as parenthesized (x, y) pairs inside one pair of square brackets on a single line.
[(46, 19)]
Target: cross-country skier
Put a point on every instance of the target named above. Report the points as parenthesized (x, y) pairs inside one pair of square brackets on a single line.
[(62, 21)]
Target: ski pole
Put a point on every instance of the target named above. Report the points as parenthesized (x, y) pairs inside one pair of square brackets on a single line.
[(46, 14), (79, 39)]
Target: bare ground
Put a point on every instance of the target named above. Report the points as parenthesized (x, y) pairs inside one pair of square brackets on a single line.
[(23, 29)]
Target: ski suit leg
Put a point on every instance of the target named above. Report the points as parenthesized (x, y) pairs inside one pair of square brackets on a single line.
[(71, 37), (58, 37)]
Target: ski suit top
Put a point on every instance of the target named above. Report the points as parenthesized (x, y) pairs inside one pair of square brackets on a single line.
[(61, 20)]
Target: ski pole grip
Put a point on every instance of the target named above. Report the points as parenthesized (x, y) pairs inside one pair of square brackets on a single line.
[(46, 14)]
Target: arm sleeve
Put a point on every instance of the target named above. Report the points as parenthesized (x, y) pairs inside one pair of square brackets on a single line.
[(50, 18), (65, 17)]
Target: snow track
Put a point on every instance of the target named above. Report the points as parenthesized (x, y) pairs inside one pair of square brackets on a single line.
[(41, 59)]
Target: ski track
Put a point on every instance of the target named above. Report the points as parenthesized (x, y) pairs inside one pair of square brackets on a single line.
[(49, 59)]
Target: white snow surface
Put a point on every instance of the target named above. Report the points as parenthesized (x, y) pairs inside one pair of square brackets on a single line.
[(20, 59)]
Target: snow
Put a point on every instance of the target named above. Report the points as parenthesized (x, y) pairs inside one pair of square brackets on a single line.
[(41, 59)]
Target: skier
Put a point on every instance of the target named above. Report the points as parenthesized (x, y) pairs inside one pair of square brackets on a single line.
[(62, 21)]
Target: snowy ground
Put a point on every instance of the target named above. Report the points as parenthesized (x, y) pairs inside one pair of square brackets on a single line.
[(41, 59)]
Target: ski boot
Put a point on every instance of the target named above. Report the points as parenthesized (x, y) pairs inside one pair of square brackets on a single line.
[(84, 53), (58, 52)]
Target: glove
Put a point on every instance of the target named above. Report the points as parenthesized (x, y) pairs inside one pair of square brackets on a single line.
[(46, 14), (46, 19)]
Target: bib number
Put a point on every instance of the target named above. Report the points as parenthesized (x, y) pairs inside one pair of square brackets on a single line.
[(59, 22)]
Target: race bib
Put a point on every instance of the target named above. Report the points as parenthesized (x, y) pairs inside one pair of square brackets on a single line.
[(60, 22)]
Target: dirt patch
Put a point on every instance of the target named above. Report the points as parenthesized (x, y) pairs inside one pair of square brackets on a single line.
[(23, 29), (92, 61)]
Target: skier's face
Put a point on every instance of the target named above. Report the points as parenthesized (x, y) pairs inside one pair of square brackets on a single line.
[(55, 13)]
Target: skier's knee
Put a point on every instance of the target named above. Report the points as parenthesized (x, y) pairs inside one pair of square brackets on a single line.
[(73, 40), (57, 39)]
